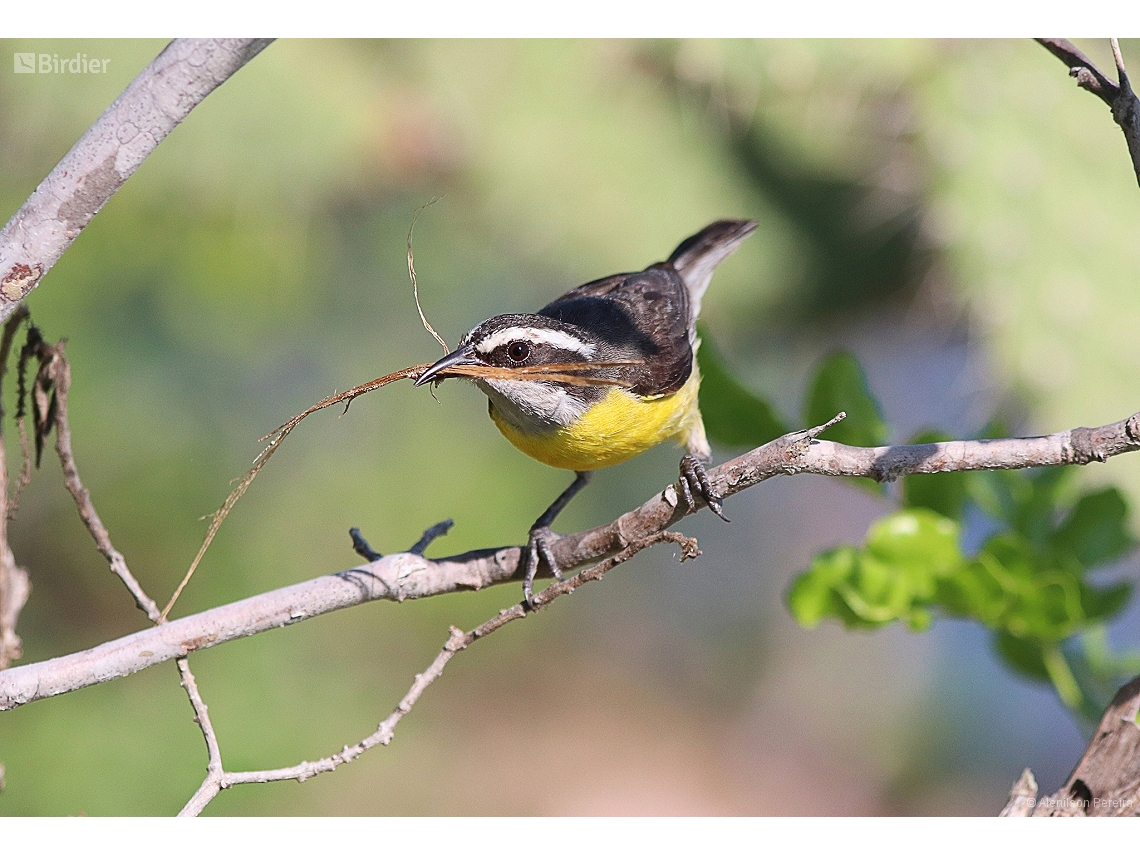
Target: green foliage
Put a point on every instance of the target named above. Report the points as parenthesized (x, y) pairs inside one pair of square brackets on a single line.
[(733, 415), (1028, 582), (894, 576)]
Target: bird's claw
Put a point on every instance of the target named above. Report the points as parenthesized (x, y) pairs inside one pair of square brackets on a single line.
[(538, 549), (695, 483)]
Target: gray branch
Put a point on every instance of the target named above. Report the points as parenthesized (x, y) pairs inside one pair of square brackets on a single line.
[(407, 576), (1119, 97), (108, 154)]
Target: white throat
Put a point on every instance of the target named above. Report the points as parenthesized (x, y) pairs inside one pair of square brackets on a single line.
[(532, 406)]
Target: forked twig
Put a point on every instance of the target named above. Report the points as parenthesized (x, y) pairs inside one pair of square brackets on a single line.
[(1120, 97), (217, 779)]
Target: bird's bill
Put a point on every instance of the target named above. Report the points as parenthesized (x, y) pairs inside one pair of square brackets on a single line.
[(463, 357)]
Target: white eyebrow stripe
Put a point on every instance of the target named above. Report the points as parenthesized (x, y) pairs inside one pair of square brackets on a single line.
[(537, 335)]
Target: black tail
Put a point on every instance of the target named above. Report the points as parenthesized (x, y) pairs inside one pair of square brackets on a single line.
[(697, 256)]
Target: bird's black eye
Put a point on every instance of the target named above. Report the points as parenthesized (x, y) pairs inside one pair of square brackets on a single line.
[(518, 351)]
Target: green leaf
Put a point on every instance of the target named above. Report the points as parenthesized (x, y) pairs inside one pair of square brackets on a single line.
[(1025, 500), (944, 493), (1096, 530), (918, 545), (892, 578), (992, 491), (1036, 511), (812, 596), (1049, 609), (1024, 655), (1103, 603), (976, 591), (841, 386), (733, 415), (1014, 555)]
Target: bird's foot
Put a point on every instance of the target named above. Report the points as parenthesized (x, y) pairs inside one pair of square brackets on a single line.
[(538, 548), (695, 483)]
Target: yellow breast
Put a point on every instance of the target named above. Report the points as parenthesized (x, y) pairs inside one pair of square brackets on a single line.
[(618, 427)]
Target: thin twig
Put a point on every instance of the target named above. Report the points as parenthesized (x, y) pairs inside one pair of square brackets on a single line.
[(1087, 75), (456, 642), (214, 771), (415, 283), (405, 576), (60, 370), (558, 372), (275, 439)]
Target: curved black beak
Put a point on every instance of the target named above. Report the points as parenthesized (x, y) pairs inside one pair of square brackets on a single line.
[(460, 356)]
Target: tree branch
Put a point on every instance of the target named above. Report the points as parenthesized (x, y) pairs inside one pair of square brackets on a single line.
[(1106, 781), (56, 363), (1125, 106), (212, 784), (217, 780), (15, 585), (407, 576), (154, 104)]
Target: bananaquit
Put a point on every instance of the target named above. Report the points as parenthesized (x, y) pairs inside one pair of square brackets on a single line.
[(600, 375)]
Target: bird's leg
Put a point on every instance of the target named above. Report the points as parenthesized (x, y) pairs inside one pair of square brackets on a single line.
[(541, 537), (695, 482)]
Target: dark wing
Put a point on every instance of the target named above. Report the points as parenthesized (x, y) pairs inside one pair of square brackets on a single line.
[(641, 316), (652, 315)]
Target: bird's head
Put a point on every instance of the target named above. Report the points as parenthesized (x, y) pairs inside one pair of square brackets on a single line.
[(539, 372)]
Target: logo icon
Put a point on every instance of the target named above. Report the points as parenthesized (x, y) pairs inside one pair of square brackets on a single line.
[(24, 63)]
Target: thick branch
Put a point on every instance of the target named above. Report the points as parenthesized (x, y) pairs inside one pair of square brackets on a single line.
[(1106, 781), (1123, 101), (108, 154), (408, 576)]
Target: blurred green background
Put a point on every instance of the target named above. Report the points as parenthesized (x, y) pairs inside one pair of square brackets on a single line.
[(957, 214)]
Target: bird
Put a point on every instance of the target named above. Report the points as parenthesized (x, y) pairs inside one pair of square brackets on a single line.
[(601, 374)]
